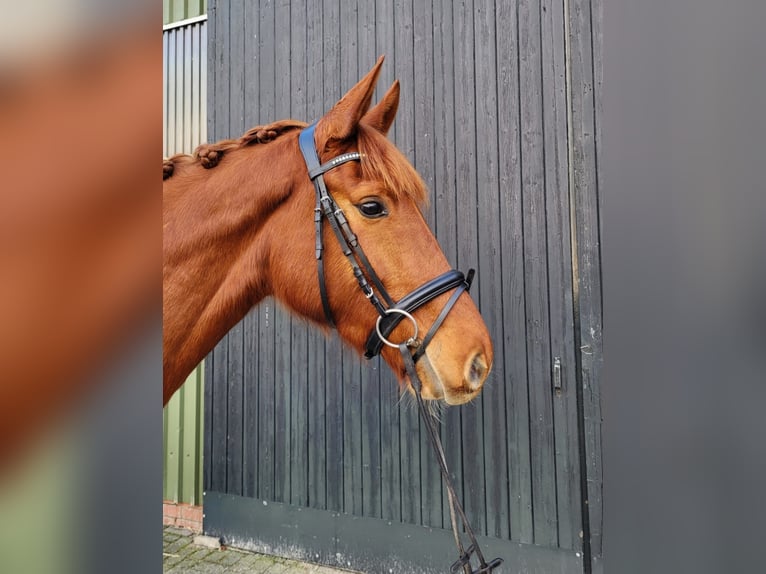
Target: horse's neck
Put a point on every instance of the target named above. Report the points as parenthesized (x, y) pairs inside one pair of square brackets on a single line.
[(216, 250)]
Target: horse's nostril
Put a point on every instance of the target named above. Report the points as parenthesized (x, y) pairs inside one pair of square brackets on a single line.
[(477, 371)]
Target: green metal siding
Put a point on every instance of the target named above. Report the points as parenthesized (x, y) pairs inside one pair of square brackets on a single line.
[(184, 128), (182, 442), (177, 10)]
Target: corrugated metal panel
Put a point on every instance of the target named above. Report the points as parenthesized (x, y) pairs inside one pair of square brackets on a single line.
[(182, 442), (184, 128), (497, 114), (177, 10)]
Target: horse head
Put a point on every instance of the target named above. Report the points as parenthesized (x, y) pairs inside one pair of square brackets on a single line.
[(379, 194)]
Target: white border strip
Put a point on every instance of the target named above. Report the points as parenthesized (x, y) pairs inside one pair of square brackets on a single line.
[(182, 23)]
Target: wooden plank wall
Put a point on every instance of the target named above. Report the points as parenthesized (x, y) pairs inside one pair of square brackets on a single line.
[(498, 114)]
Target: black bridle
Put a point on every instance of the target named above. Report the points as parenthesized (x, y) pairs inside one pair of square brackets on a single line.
[(390, 314)]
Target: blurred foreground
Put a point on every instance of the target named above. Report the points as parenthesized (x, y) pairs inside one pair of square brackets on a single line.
[(80, 248)]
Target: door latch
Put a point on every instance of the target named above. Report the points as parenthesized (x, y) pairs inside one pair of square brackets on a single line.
[(557, 375)]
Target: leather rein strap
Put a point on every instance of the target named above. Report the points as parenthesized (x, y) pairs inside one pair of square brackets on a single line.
[(391, 314)]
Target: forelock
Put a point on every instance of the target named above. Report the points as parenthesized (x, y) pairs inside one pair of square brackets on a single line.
[(382, 161)]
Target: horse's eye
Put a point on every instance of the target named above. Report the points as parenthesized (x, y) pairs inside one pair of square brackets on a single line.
[(372, 208)]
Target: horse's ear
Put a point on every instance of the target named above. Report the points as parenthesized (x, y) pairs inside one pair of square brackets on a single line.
[(341, 122), (382, 115)]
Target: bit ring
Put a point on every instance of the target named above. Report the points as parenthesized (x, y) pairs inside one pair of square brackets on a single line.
[(409, 342)]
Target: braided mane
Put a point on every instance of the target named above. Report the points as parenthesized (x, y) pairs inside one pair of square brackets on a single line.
[(382, 160), (208, 155)]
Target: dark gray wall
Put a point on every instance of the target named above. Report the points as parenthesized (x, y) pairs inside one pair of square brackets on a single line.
[(499, 114)]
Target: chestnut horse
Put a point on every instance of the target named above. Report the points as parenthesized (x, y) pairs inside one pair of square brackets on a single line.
[(238, 221)]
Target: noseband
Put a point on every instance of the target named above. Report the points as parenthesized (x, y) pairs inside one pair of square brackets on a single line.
[(390, 315)]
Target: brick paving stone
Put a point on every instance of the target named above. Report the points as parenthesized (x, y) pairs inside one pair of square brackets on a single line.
[(252, 563), (215, 557), (230, 557), (263, 562), (200, 553), (204, 568), (175, 547), (177, 531), (169, 561), (188, 550)]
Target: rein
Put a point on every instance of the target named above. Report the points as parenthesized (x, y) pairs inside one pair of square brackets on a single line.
[(390, 314)]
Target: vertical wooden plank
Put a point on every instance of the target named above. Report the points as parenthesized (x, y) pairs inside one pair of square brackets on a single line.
[(390, 413), (317, 455), (251, 63), (536, 277), (234, 432), (282, 399), (423, 90), (332, 91), (235, 374), (219, 61), (567, 463), (317, 492), (219, 103), (268, 375), (422, 95), (594, 310), (236, 69), (489, 281), (251, 444), (350, 74), (409, 422), (220, 414), (586, 239), (352, 433), (445, 204), (467, 223), (267, 71), (299, 437), (370, 439), (283, 337), (512, 244), (369, 372)]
